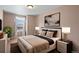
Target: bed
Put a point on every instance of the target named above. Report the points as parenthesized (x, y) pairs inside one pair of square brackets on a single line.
[(39, 43)]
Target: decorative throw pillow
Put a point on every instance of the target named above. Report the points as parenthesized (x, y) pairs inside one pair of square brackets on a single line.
[(42, 33), (55, 34), (49, 34)]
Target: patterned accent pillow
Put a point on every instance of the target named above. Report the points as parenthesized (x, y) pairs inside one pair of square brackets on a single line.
[(49, 34), (55, 34), (42, 33)]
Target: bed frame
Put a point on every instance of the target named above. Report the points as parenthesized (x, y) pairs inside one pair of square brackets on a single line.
[(59, 35)]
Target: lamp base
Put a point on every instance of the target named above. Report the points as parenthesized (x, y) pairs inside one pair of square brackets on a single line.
[(65, 36)]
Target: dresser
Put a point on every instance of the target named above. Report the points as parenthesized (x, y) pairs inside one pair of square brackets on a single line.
[(3, 44)]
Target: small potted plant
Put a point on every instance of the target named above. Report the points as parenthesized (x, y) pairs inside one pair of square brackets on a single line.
[(8, 30)]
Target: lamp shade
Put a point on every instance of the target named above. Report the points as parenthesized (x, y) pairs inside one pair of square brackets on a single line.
[(65, 29), (37, 28)]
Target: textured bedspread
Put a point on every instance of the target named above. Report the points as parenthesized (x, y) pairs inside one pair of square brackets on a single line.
[(37, 44)]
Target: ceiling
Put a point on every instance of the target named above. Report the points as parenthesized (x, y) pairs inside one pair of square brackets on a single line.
[(23, 10)]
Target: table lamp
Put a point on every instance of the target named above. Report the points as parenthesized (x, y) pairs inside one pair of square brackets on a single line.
[(66, 31), (37, 29)]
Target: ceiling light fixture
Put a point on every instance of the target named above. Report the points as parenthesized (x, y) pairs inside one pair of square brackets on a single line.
[(30, 6)]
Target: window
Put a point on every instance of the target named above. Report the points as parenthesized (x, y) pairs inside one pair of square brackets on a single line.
[(20, 26)]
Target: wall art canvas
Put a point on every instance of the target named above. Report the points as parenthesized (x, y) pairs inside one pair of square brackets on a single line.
[(52, 20)]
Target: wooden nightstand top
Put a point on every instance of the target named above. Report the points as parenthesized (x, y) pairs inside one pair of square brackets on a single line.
[(65, 41)]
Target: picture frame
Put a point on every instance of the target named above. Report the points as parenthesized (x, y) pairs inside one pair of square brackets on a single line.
[(52, 20)]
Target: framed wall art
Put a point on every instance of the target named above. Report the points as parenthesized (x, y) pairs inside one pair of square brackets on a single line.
[(52, 20)]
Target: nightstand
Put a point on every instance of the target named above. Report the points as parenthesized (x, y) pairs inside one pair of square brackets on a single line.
[(64, 46)]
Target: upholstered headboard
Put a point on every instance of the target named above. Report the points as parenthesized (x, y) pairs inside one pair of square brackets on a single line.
[(59, 31)]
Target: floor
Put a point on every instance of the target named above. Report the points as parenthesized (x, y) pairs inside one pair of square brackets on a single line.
[(13, 46), (15, 49)]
